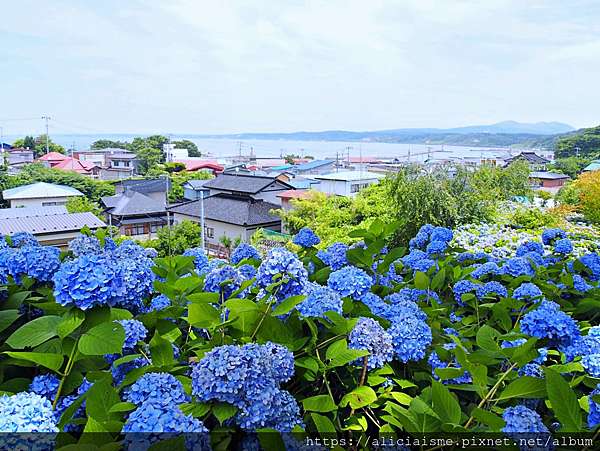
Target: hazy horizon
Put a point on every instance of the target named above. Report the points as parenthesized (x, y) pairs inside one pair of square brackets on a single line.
[(186, 67)]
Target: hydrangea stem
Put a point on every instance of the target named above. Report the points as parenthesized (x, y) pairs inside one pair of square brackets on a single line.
[(66, 373)]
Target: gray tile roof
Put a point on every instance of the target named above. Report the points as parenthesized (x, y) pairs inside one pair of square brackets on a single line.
[(548, 175), (29, 212), (242, 183), (132, 203), (243, 211), (144, 186), (196, 184), (68, 222), (530, 157)]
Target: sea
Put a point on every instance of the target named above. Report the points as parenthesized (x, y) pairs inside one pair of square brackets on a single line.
[(227, 149)]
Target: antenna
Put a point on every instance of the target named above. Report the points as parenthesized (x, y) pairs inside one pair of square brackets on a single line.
[(47, 118)]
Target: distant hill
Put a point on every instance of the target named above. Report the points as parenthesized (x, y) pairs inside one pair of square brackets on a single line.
[(501, 134)]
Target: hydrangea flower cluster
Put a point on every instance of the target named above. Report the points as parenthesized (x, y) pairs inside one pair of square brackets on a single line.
[(23, 239), (248, 377), (26, 412), (461, 288), (435, 362), (135, 331), (549, 235), (157, 388), (85, 245), (319, 300), (563, 246), (518, 266), (306, 238), (520, 419), (282, 265), (45, 385), (223, 280), (594, 412), (527, 291), (486, 269), (242, 252), (334, 256), (37, 262), (490, 288), (368, 335), (158, 419), (411, 338), (158, 303), (200, 258), (548, 321), (350, 281), (528, 247)]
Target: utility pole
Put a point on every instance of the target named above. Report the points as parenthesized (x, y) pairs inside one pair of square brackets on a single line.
[(47, 118), (202, 219)]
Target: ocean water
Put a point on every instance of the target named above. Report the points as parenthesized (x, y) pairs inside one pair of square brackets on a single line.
[(223, 148)]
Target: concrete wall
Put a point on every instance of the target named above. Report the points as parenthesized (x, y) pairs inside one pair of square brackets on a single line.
[(37, 202), (341, 187)]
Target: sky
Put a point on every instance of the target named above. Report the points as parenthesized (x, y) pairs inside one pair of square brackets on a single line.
[(185, 66)]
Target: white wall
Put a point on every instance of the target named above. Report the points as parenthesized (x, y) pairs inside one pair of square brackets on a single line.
[(37, 202), (341, 187), (220, 229)]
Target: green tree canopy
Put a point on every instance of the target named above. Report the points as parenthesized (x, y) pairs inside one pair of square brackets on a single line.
[(189, 145), (108, 143), (177, 238), (38, 145)]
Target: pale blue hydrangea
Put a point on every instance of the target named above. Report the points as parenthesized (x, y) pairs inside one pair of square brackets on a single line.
[(138, 278), (334, 256), (377, 305), (223, 280), (368, 335), (275, 409), (85, 245), (26, 412), (157, 419), (594, 413), (527, 291), (350, 281), (591, 364), (200, 258), (247, 271), (489, 288), (281, 265), (520, 419), (157, 388), (306, 238), (319, 300), (548, 321), (242, 252), (411, 338), (40, 262), (135, 331), (158, 303), (563, 246), (549, 235), (401, 306), (518, 266)]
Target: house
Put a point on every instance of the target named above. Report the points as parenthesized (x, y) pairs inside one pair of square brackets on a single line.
[(346, 183), (593, 166), (39, 194), (252, 186), (52, 226), (16, 158), (194, 189), (289, 195), (192, 165), (81, 167), (300, 182), (535, 161), (155, 188), (548, 181), (232, 216), (51, 159), (136, 214), (314, 167)]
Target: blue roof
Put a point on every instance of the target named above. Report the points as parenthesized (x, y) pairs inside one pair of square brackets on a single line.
[(282, 167), (5, 146), (313, 165), (593, 166)]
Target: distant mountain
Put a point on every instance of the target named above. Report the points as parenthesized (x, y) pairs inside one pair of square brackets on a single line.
[(501, 134)]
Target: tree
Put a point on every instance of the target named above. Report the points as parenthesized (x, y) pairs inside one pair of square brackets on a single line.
[(148, 158), (38, 145), (27, 143), (108, 143), (176, 239), (189, 145), (153, 142), (571, 166), (582, 142), (587, 189), (82, 204)]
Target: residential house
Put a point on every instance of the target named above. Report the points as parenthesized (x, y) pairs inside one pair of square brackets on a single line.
[(192, 165), (135, 214), (51, 159), (593, 166), (300, 182), (289, 195), (39, 194), (194, 189), (346, 183), (81, 167), (535, 161), (228, 215), (256, 187), (314, 167), (154, 188), (52, 226), (548, 181), (16, 158)]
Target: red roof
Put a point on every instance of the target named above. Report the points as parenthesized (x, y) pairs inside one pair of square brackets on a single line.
[(364, 160), (53, 156), (293, 194), (73, 164), (196, 165)]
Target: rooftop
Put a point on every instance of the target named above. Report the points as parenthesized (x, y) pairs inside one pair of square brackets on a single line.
[(196, 184), (547, 175), (243, 183), (195, 165), (350, 176), (231, 210), (40, 190), (530, 157), (30, 212), (144, 185), (66, 222), (53, 156), (132, 203), (313, 165), (294, 194), (73, 164), (593, 166)]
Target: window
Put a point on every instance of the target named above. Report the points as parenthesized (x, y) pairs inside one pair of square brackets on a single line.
[(209, 232), (356, 187), (135, 229), (155, 226), (53, 204)]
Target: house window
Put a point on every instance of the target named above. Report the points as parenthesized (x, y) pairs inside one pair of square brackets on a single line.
[(53, 204), (135, 229), (209, 232), (155, 226)]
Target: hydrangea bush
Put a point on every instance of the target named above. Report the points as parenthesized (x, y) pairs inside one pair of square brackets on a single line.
[(446, 335)]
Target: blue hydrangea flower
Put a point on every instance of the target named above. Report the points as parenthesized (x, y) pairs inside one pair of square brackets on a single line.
[(334, 256), (416, 295), (591, 363), (282, 265), (138, 278), (377, 305), (530, 246), (242, 252), (45, 385), (461, 288), (26, 412), (275, 409), (419, 241), (247, 271), (411, 338), (436, 247), (489, 288), (401, 306), (368, 335), (549, 235), (134, 332), (485, 269), (350, 281), (527, 290), (594, 413), (213, 263), (157, 388), (319, 300), (441, 234), (563, 246), (120, 371), (470, 256), (435, 362), (518, 266), (592, 262), (548, 321), (423, 265), (88, 281), (200, 258), (536, 259), (520, 419), (224, 280), (306, 238), (159, 418), (580, 284), (531, 370), (85, 245), (23, 239), (40, 262), (158, 303)]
